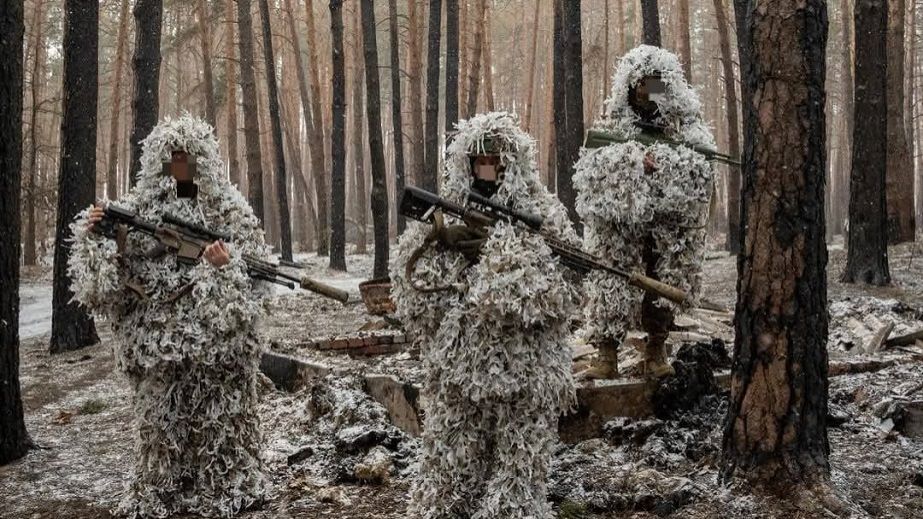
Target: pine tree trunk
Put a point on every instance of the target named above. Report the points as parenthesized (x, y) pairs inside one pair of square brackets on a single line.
[(338, 150), (847, 102), (571, 138), (733, 243), (559, 95), (775, 434), (530, 74), (606, 59), (451, 64), (145, 65), (281, 194), (14, 439), (206, 39), (430, 174), (316, 136), (623, 30), (397, 118), (358, 139), (489, 99), (651, 18), (867, 240), (683, 42), (379, 195), (112, 172), (464, 60), (251, 114), (231, 82), (31, 187), (71, 327), (415, 91), (474, 71), (899, 177)]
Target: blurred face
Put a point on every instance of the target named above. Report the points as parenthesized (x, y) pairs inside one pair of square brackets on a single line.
[(182, 168), (645, 96), (487, 171)]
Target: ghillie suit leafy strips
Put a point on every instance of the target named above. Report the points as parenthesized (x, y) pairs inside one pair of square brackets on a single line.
[(628, 212), (498, 372), (191, 359)]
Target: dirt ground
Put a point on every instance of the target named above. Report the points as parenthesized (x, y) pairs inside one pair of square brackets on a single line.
[(77, 412)]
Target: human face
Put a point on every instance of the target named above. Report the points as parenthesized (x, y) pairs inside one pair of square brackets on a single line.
[(182, 168), (487, 171)]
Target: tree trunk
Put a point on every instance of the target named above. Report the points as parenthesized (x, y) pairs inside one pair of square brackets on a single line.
[(606, 59), (844, 156), (775, 432), (464, 24), (530, 75), (474, 70), (71, 327), (206, 38), (251, 115), (451, 64), (112, 172), (31, 187), (397, 119), (358, 138), (867, 240), (430, 174), (379, 195), (231, 82), (651, 18), (623, 30), (415, 91), (316, 135), (683, 42), (559, 95), (14, 439), (281, 195), (145, 66), (571, 138), (488, 61), (338, 150), (899, 176), (730, 89)]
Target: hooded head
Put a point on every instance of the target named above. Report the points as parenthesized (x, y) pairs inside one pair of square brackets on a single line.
[(649, 87)]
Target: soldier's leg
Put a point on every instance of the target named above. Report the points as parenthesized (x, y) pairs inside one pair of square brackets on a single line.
[(656, 317)]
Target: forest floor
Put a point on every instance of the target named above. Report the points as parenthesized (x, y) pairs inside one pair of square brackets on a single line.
[(332, 453)]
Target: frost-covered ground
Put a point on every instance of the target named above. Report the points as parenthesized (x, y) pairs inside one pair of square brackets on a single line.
[(332, 453)]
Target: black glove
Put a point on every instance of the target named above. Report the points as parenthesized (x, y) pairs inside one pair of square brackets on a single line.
[(464, 239)]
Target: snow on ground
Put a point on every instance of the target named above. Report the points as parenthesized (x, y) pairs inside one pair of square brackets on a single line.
[(34, 310)]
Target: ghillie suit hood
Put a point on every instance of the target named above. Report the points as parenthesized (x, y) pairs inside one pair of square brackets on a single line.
[(623, 206), (498, 372), (185, 334)]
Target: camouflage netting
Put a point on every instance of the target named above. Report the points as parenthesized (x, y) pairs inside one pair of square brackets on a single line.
[(193, 361), (624, 209), (498, 372)]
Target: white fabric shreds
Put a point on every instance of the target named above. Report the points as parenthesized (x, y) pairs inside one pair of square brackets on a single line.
[(192, 361), (498, 369), (626, 210)]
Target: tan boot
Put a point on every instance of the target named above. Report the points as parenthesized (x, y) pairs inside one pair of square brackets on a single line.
[(606, 366), (655, 364)]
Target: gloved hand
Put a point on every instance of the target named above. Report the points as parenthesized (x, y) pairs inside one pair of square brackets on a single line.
[(464, 239)]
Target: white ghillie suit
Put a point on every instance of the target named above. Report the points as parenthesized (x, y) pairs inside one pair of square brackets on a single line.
[(498, 369), (192, 362), (641, 222)]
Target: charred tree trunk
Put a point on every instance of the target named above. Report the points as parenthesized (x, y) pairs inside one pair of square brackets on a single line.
[(397, 119), (451, 64), (379, 195), (14, 439), (559, 94), (899, 177), (415, 91), (867, 239), (651, 19), (338, 150), (30, 256), (316, 136), (231, 67), (570, 138), (71, 327), (776, 432), (251, 114), (429, 180), (145, 65), (112, 172), (206, 38), (285, 219), (730, 89)]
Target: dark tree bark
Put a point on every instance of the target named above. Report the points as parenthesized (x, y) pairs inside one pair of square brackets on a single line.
[(206, 40), (379, 195), (112, 182), (431, 133), (451, 63), (338, 150), (285, 219), (415, 91), (867, 239), (316, 136), (744, 46), (14, 439), (30, 190), (559, 93), (650, 16), (570, 139), (899, 177), (251, 113), (231, 65), (71, 327), (730, 90), (775, 434), (358, 138), (397, 119), (145, 65)]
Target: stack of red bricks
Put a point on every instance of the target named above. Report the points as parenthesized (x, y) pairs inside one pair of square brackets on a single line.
[(361, 344)]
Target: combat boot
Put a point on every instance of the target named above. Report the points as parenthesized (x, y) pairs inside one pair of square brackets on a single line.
[(605, 367), (655, 364)]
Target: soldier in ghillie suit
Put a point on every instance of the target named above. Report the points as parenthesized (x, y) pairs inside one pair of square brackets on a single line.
[(644, 205), (185, 333), (493, 343)]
